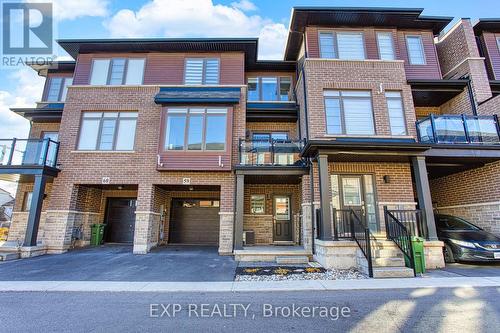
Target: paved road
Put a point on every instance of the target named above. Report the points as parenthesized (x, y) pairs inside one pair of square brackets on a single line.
[(419, 310), (118, 263)]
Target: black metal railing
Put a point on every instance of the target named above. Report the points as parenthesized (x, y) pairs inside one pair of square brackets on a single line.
[(459, 129), (273, 152), (363, 237), (28, 152), (342, 223), (399, 234), (412, 220)]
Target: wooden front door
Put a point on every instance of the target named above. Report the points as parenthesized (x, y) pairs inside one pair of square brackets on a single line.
[(282, 216)]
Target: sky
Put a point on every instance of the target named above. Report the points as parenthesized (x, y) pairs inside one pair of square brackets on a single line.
[(268, 20)]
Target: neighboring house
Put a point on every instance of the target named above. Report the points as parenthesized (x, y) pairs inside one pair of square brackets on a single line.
[(366, 121)]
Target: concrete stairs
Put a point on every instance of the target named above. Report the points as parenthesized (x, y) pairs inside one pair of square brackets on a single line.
[(387, 259), (5, 256)]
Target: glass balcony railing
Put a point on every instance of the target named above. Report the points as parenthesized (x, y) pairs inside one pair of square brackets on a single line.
[(28, 152), (459, 129), (274, 152)]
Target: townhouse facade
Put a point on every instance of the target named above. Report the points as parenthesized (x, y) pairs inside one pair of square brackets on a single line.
[(374, 119)]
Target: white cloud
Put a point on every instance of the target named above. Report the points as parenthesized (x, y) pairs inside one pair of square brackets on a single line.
[(244, 5), (72, 9), (199, 18)]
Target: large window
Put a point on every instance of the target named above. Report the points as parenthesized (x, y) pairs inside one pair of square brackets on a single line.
[(349, 112), (385, 45), (415, 48), (200, 71), (117, 71), (348, 45), (396, 112), (58, 88), (107, 131), (196, 129), (269, 88)]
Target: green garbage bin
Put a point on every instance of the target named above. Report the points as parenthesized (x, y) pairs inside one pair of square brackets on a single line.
[(97, 233), (417, 245)]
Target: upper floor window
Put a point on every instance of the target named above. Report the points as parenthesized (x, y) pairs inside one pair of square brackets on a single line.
[(117, 71), (498, 43), (269, 88), (196, 129), (415, 48), (201, 71), (349, 112), (58, 88), (396, 112), (107, 131), (348, 45), (385, 45)]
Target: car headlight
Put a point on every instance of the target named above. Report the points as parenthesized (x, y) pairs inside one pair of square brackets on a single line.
[(463, 243)]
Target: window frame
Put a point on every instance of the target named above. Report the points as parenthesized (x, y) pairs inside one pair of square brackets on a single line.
[(336, 50), (225, 111), (203, 71), (387, 98), (99, 131), (110, 69), (390, 33), (278, 87), (497, 38), (342, 111), (26, 207), (420, 38), (261, 196), (61, 88)]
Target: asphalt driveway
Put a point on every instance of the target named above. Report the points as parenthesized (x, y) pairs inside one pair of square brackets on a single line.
[(478, 269), (117, 263)]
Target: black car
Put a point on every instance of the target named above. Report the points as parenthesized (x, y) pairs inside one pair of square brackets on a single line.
[(466, 242)]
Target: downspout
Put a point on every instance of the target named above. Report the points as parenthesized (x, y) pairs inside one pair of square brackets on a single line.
[(471, 96)]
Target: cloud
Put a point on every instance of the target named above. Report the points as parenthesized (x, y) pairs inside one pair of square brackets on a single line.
[(72, 9), (199, 18), (244, 5)]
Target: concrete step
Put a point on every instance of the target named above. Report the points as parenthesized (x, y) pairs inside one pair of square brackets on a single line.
[(292, 260), (388, 262), (4, 256), (392, 272), (388, 253)]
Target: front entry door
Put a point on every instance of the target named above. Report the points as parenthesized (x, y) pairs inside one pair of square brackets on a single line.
[(282, 216), (120, 220)]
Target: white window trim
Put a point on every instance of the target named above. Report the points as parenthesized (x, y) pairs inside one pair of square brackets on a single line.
[(498, 42), (408, 49), (402, 109), (110, 68), (203, 71), (336, 44), (377, 33)]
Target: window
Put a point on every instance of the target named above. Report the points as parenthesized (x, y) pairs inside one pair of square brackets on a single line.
[(498, 43), (117, 71), (396, 112), (349, 112), (258, 204), (107, 131), (196, 129), (201, 71), (58, 88), (385, 45), (270, 88), (342, 45), (27, 201), (415, 50)]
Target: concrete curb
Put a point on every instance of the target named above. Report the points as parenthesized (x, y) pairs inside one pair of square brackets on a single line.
[(304, 285)]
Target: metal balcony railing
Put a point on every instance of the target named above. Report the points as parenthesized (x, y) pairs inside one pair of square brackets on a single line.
[(459, 129), (274, 152), (28, 152)]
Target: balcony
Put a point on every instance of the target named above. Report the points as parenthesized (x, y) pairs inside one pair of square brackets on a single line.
[(29, 153), (271, 153), (459, 129)]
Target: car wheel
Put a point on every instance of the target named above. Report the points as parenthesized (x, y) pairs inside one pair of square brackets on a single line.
[(448, 255)]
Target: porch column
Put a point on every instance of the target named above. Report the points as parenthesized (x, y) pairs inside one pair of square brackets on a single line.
[(324, 193), (238, 222), (424, 195), (35, 210)]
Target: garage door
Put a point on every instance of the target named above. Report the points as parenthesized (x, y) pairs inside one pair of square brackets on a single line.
[(120, 220), (194, 221)]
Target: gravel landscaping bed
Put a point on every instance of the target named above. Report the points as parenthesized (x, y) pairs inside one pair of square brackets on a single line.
[(330, 274)]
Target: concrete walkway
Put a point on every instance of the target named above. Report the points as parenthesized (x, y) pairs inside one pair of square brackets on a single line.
[(308, 285)]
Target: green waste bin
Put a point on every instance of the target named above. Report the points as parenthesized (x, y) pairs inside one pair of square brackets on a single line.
[(417, 245), (97, 233)]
